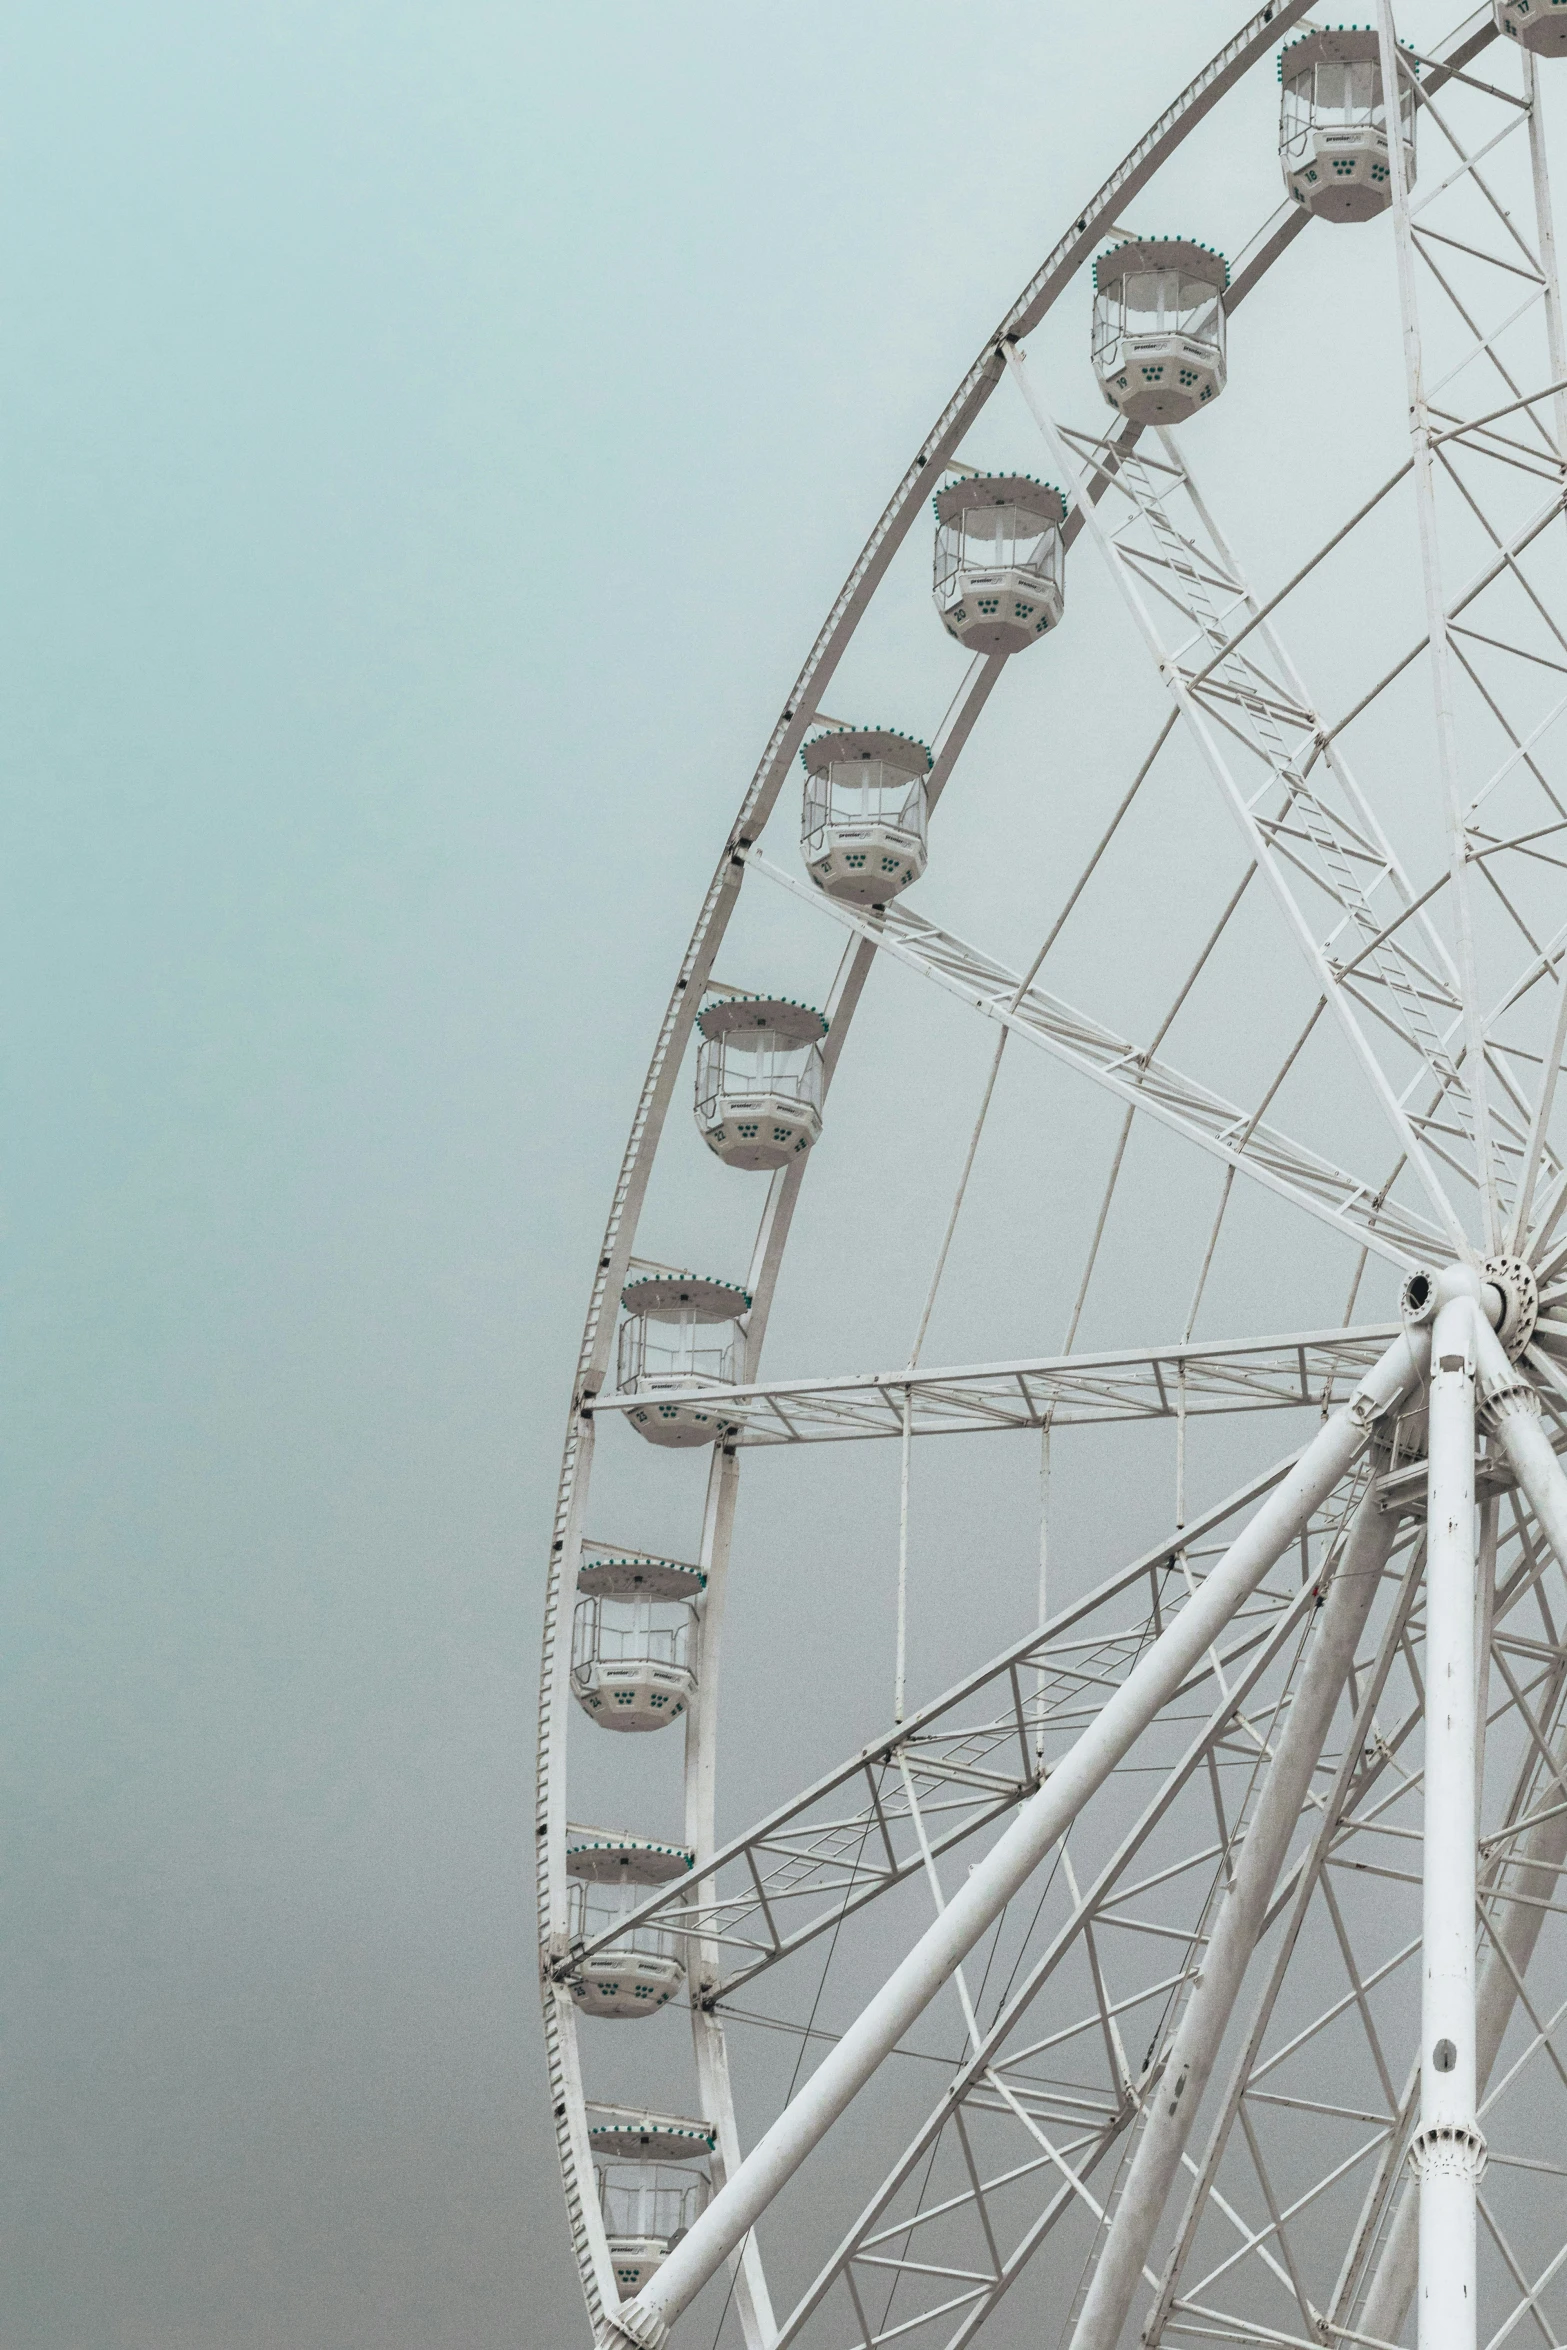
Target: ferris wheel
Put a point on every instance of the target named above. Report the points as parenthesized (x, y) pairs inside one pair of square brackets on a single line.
[(1202, 1962)]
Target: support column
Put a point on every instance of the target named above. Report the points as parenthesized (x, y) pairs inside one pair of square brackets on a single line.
[(1511, 1409), (991, 1883), (1532, 1881), (1448, 2153)]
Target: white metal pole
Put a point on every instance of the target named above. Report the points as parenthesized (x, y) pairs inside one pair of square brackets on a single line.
[(900, 1669), (1042, 1608), (1523, 1896), (1448, 2153), (1436, 621), (1189, 2058), (1042, 1612), (990, 1885)]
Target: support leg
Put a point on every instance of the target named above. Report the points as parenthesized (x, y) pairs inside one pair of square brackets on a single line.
[(1512, 1411), (1534, 1880), (1448, 2153)]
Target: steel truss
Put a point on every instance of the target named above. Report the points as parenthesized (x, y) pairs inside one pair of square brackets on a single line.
[(1052, 2097), (1269, 1661), (1196, 1380)]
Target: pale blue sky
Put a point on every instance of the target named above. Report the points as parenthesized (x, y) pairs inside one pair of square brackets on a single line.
[(432, 436)]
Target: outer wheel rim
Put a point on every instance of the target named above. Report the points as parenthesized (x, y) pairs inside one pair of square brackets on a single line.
[(1254, 41)]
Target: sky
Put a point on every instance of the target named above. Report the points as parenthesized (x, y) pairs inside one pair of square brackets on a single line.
[(433, 436)]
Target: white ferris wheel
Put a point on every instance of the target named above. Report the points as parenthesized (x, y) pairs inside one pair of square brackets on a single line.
[(1201, 1973)]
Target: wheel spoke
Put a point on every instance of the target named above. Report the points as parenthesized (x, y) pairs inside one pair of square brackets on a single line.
[(1250, 1145)]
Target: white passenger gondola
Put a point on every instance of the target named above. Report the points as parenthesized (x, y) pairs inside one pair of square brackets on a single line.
[(639, 1970), (630, 1650), (647, 2208), (1000, 570), (1540, 25), (1158, 346), (1333, 124), (680, 1332), (863, 831), (759, 1079)]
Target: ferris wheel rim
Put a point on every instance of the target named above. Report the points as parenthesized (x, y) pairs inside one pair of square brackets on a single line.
[(1262, 32)]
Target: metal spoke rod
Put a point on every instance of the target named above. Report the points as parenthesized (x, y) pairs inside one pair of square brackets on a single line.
[(990, 1885)]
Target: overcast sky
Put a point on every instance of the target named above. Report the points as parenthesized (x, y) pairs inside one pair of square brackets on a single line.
[(433, 435)]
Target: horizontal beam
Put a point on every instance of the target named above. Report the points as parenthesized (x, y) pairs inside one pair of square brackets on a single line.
[(1290, 1372)]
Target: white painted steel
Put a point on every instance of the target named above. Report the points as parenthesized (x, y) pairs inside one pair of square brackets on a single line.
[(1448, 2153), (1176, 2091), (1017, 1853), (1441, 659), (1541, 1856), (1212, 688), (983, 2078), (977, 1721), (1196, 1376), (1311, 726), (752, 2300), (1140, 1079)]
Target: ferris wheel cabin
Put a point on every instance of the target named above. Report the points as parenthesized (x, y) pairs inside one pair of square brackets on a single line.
[(647, 2208), (759, 1079), (647, 2202), (639, 1969), (631, 1642), (1158, 345), (680, 1332), (1333, 124), (863, 830), (1000, 567), (1540, 25)]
